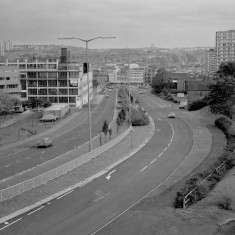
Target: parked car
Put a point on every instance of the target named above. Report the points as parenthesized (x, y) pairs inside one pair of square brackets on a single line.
[(44, 142), (48, 118), (107, 96), (171, 115)]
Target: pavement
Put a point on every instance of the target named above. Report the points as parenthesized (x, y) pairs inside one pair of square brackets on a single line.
[(103, 163)]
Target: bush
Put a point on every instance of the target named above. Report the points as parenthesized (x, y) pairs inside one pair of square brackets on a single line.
[(139, 117), (197, 104), (225, 203), (224, 123)]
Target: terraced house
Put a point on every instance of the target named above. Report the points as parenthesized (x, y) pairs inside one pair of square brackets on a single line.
[(56, 80)]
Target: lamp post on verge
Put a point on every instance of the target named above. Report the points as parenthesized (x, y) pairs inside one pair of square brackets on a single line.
[(88, 89)]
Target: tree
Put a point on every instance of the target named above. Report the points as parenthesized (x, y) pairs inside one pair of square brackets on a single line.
[(161, 80), (105, 129), (226, 69), (6, 102), (110, 132), (119, 122), (220, 97)]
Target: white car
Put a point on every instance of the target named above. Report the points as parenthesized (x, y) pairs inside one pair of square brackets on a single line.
[(171, 115)]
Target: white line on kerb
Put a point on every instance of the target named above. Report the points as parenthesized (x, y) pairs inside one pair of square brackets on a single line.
[(160, 154), (143, 168), (64, 194), (153, 160), (10, 224), (36, 210)]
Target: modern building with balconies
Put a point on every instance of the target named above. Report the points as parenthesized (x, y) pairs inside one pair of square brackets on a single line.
[(55, 80)]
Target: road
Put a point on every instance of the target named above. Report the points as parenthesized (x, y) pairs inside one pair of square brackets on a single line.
[(31, 156), (91, 208)]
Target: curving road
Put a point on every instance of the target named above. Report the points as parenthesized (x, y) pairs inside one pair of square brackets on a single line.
[(13, 163), (92, 208)]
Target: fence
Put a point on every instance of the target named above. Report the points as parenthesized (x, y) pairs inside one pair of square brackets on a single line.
[(185, 200), (27, 185)]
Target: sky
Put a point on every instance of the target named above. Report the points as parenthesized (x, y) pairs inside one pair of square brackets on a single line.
[(134, 23)]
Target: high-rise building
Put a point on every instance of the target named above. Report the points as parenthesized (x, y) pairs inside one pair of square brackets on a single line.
[(2, 50), (210, 61), (225, 46)]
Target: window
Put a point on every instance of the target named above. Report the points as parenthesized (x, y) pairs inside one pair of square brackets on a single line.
[(31, 83), (22, 66), (52, 75), (42, 91), (63, 75), (72, 100), (52, 91), (52, 83), (73, 91), (53, 99), (63, 99), (63, 92), (42, 83), (12, 86), (23, 95), (42, 75), (62, 83), (7, 78), (32, 91), (32, 75), (2, 87)]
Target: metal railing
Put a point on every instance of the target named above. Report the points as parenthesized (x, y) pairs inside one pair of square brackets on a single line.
[(29, 184), (186, 199)]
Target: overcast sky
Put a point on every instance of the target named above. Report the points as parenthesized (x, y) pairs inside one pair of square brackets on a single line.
[(135, 23)]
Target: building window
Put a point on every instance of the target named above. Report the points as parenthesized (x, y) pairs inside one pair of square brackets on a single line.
[(63, 92), (31, 83), (62, 75), (53, 99), (2, 87), (73, 91), (63, 99), (12, 86), (22, 66), (42, 83), (32, 91), (7, 78), (72, 100), (23, 95), (42, 91), (52, 91), (63, 83), (52, 83), (32, 75), (41, 66), (52, 75), (31, 66), (42, 75)]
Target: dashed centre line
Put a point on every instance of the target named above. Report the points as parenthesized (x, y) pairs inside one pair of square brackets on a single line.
[(65, 194), (143, 168), (10, 224), (36, 210), (153, 160)]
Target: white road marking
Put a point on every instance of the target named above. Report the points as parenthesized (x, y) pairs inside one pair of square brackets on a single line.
[(160, 154), (143, 168), (101, 197), (64, 194), (43, 152), (10, 224), (109, 175), (55, 147), (165, 149), (153, 160), (159, 119), (36, 210), (7, 166)]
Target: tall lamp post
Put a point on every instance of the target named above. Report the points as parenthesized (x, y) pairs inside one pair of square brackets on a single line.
[(88, 90)]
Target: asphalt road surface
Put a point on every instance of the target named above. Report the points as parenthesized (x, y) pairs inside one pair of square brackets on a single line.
[(31, 156), (90, 209)]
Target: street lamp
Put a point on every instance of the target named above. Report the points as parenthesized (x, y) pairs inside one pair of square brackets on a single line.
[(89, 115)]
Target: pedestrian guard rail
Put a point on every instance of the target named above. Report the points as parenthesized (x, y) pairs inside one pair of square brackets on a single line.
[(32, 183)]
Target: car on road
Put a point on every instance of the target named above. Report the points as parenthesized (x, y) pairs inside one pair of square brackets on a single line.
[(141, 92), (171, 115), (48, 118), (107, 96), (44, 142)]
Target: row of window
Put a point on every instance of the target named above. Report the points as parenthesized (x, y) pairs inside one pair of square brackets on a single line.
[(52, 91), (11, 86), (51, 83), (38, 66), (52, 75), (62, 99)]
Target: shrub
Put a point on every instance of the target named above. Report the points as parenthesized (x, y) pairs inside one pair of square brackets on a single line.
[(197, 104), (139, 117), (225, 203), (223, 123)]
